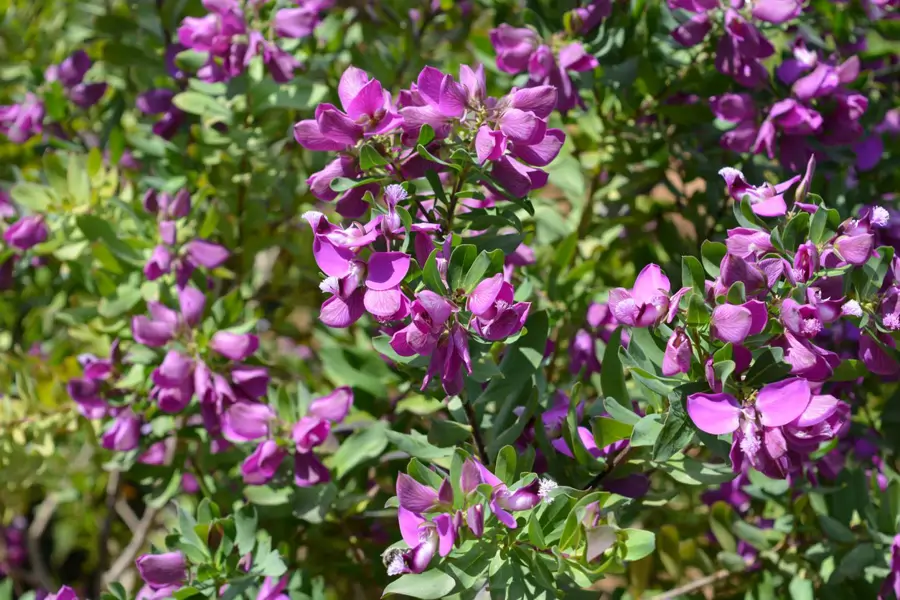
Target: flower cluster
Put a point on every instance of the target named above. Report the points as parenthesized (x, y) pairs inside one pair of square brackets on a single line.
[(443, 527), (231, 36), (742, 46), (547, 63), (509, 134), (70, 74), (19, 122)]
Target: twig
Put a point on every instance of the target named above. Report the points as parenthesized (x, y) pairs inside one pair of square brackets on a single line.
[(139, 533), (42, 517), (610, 467), (126, 514), (134, 546), (693, 586), (112, 494), (476, 431)]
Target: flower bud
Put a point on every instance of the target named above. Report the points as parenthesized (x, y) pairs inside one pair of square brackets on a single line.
[(160, 570)]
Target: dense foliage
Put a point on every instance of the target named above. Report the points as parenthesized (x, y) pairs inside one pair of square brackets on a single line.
[(327, 299)]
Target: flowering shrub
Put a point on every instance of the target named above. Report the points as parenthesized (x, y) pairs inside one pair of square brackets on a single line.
[(315, 299)]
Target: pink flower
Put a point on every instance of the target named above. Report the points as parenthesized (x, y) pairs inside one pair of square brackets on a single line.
[(646, 303)]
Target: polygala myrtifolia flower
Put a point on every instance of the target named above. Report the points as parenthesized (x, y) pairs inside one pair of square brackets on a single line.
[(776, 428), (162, 570), (430, 526), (648, 302), (547, 63)]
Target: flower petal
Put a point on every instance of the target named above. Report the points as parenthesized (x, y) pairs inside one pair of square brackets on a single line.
[(781, 402), (714, 413)]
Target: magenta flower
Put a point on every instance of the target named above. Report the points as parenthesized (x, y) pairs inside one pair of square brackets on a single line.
[(730, 323), (21, 121), (263, 463), (777, 11), (162, 570), (678, 354), (246, 421), (760, 426), (424, 538), (430, 313), (765, 200), (124, 433), (647, 303), (27, 232), (234, 346), (503, 501), (748, 243), (385, 272), (368, 110), (892, 581), (64, 593), (496, 315), (876, 358)]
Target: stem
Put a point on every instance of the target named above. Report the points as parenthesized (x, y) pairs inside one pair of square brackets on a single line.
[(693, 586), (451, 209), (41, 519), (476, 431), (112, 494), (610, 467)]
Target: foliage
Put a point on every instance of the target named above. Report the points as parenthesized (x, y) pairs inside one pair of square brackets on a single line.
[(320, 299)]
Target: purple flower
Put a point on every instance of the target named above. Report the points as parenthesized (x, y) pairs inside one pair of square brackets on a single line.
[(876, 358), (367, 111), (496, 315), (295, 22), (234, 346), (647, 303), (159, 263), (730, 323), (124, 433), (246, 421), (333, 407), (64, 593), (677, 357), (206, 254), (20, 121), (162, 570), (782, 409), (892, 581), (27, 232), (424, 538), (385, 272), (309, 470), (514, 47), (777, 11), (415, 497), (765, 200), (263, 463)]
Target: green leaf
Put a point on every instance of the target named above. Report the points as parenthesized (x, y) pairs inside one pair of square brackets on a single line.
[(370, 158), (736, 294), (430, 585), (505, 468), (32, 196), (769, 366), (712, 254), (362, 445), (96, 229), (612, 376), (801, 589), (609, 431), (676, 433), (743, 212), (692, 274), (850, 369), (431, 276), (836, 530), (690, 471), (461, 260), (639, 543), (698, 313), (486, 264), (426, 134), (520, 361), (245, 523), (417, 445), (342, 184), (817, 226), (720, 522), (196, 103), (646, 431), (620, 412), (435, 181), (444, 433), (78, 180)]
